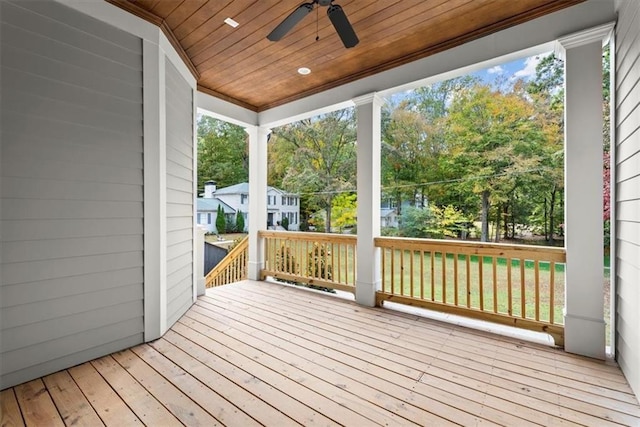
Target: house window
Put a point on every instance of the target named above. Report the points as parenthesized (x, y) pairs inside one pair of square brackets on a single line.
[(284, 200), (243, 199), (209, 218), (296, 217)]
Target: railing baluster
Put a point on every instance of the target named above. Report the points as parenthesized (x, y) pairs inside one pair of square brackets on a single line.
[(401, 271), (433, 275), (333, 260), (536, 270), (326, 261), (444, 276), (522, 291), (421, 274), (481, 281), (552, 288), (411, 260), (383, 261), (393, 270), (509, 290), (339, 262), (495, 286), (468, 263), (455, 279)]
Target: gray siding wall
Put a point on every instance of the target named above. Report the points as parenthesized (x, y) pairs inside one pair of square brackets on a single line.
[(180, 210), (628, 190), (71, 226)]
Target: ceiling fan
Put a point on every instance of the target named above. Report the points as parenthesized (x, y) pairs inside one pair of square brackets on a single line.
[(334, 12)]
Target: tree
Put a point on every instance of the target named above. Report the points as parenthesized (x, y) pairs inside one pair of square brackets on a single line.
[(606, 135), (547, 93), (221, 222), (415, 222), (319, 154), (405, 154), (344, 210), (239, 222), (222, 153), (493, 142)]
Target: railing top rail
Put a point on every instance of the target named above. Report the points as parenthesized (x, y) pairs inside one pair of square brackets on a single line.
[(307, 236), (547, 253), (243, 245)]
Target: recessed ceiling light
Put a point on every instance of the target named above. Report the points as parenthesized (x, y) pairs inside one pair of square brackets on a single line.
[(231, 22), (304, 71)]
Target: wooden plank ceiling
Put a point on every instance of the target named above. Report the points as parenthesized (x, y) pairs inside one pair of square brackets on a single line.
[(242, 66)]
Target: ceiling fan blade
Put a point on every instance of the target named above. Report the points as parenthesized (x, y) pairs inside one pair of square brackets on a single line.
[(290, 21), (342, 25)]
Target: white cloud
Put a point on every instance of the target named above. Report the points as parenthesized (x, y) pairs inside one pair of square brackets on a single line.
[(529, 69), (496, 70)]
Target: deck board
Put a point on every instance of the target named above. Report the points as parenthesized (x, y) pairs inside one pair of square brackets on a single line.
[(10, 414), (68, 398), (256, 353)]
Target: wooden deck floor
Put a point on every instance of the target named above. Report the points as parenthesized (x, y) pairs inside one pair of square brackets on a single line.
[(256, 353)]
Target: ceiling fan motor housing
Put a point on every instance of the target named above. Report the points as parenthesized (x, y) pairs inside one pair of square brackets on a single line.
[(324, 2)]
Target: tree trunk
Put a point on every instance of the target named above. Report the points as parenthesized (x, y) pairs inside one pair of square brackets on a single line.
[(327, 223), (505, 214), (484, 217), (546, 235), (552, 213), (513, 217), (498, 221)]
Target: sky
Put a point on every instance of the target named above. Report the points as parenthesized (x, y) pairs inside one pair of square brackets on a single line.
[(497, 75), (521, 69)]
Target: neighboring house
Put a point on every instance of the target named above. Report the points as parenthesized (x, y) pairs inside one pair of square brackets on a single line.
[(389, 216), (208, 212), (280, 204)]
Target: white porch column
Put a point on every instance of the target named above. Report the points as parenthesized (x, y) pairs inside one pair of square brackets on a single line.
[(368, 167), (200, 231), (584, 277), (258, 138)]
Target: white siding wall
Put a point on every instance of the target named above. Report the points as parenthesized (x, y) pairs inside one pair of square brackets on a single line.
[(179, 107), (71, 267), (628, 189)]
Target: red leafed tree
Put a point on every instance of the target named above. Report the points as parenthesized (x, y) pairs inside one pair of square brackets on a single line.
[(606, 185)]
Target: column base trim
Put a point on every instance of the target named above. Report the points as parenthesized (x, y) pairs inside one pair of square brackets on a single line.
[(584, 336), (366, 293), (254, 270)]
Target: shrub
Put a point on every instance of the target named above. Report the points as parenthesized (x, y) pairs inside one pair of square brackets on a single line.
[(221, 222), (318, 262), (240, 222)]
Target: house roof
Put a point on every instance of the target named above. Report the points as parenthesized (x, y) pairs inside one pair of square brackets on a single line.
[(230, 63), (206, 205), (385, 212), (243, 188)]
